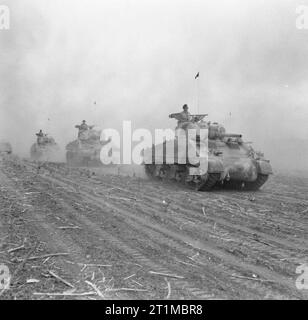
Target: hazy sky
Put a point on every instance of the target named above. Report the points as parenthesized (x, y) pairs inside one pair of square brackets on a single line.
[(137, 60)]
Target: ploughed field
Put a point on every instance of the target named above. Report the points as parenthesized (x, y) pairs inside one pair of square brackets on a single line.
[(73, 234)]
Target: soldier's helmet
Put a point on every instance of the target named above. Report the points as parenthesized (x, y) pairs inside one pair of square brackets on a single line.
[(83, 121)]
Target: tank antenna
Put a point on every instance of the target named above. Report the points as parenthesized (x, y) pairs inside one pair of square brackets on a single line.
[(197, 80)]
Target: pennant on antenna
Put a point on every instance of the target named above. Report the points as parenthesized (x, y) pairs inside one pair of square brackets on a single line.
[(197, 75)]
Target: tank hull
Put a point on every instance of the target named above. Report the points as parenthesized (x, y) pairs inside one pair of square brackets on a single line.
[(172, 160), (242, 168), (83, 154), (225, 165), (48, 152)]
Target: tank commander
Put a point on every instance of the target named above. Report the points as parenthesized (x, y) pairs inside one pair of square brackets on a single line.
[(83, 127), (40, 136), (183, 116)]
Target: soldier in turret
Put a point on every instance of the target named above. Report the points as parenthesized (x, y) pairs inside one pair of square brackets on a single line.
[(185, 114), (182, 117), (40, 136), (83, 127)]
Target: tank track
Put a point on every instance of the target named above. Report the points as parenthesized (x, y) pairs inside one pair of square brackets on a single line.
[(202, 183)]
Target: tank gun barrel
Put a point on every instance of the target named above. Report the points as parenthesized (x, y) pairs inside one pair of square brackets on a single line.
[(193, 117), (200, 115), (231, 135)]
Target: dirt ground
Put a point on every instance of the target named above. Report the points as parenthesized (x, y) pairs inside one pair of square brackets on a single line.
[(72, 234)]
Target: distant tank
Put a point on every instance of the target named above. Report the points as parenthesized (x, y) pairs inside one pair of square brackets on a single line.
[(5, 147), (85, 151), (229, 161), (45, 149)]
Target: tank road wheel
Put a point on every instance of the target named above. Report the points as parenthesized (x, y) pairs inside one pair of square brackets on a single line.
[(204, 183), (209, 183), (148, 168), (257, 184), (152, 171), (163, 172), (179, 176), (193, 182), (198, 183)]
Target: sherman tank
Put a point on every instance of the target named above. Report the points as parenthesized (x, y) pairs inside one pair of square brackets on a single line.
[(208, 158), (85, 151), (45, 149), (5, 147)]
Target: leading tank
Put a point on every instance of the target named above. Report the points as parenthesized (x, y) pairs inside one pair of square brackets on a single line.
[(45, 149), (219, 159), (85, 151)]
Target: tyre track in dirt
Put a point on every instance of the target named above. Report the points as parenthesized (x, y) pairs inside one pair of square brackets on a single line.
[(255, 244), (197, 227), (164, 267), (243, 220), (91, 196), (51, 238), (196, 205), (60, 241), (230, 259), (115, 242), (284, 220)]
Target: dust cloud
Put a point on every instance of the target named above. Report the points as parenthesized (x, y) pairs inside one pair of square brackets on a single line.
[(108, 61)]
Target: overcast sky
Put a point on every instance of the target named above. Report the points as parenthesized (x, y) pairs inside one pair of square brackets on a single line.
[(63, 61)]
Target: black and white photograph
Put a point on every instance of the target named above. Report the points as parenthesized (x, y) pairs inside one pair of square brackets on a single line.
[(153, 150)]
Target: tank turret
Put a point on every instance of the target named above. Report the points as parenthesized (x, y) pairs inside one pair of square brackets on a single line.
[(231, 135)]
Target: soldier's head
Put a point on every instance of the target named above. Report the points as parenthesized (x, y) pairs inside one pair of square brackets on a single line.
[(83, 121), (185, 107)]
